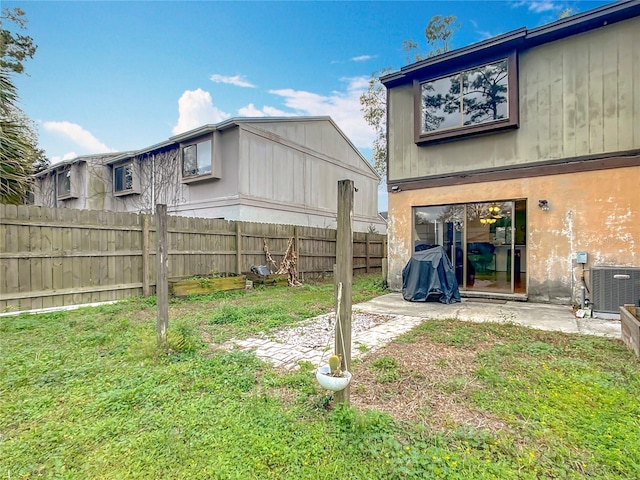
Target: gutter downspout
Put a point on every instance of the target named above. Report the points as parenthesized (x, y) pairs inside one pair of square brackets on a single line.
[(153, 184)]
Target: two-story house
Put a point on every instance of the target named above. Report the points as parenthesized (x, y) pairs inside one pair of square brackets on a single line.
[(270, 170), (520, 155)]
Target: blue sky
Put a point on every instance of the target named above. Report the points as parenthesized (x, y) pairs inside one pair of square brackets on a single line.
[(123, 75)]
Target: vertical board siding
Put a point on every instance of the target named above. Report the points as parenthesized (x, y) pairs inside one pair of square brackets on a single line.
[(56, 257)]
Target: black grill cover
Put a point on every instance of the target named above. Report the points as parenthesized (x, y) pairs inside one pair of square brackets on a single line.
[(429, 276)]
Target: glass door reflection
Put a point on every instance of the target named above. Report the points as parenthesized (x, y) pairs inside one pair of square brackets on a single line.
[(489, 241)]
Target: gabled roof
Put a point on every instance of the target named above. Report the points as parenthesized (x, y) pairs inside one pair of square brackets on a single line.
[(519, 39)]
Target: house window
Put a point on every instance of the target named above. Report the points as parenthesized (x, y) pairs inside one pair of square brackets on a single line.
[(467, 102), (196, 159), (64, 183), (123, 178)]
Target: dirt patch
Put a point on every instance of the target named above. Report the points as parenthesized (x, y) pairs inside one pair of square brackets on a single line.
[(431, 385)]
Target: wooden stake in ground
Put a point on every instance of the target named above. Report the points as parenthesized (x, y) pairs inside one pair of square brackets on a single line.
[(162, 275), (270, 260), (344, 275)]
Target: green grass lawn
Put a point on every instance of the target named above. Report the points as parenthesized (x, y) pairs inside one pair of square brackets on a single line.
[(85, 394)]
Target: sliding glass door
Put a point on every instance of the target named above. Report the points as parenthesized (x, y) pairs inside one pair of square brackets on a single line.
[(485, 242), (489, 240)]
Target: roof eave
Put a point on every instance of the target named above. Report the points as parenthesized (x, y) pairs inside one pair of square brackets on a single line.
[(235, 121)]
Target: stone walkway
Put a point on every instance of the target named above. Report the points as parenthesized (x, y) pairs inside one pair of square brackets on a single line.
[(287, 354)]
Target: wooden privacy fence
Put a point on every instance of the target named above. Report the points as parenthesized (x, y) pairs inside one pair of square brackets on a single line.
[(53, 257)]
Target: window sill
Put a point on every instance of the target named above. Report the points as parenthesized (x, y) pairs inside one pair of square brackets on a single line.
[(68, 196), (124, 193), (199, 178), (464, 132)]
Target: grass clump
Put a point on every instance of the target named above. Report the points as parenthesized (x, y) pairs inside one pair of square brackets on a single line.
[(386, 369)]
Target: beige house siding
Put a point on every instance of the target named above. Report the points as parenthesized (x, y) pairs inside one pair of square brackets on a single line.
[(577, 96), (302, 177)]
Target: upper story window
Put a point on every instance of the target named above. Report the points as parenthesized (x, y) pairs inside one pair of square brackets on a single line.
[(63, 181), (67, 182), (125, 179), (467, 102), (196, 159)]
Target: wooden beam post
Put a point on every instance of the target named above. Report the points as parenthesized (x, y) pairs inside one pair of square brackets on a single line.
[(162, 275), (385, 264), (146, 257), (344, 275)]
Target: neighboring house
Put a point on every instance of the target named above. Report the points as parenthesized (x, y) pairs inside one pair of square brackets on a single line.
[(518, 152), (76, 183), (270, 170)]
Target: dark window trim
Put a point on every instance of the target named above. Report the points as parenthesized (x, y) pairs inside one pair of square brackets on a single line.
[(466, 131), (198, 177), (67, 194), (585, 163), (134, 179)]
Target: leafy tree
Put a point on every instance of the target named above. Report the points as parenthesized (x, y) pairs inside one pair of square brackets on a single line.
[(14, 147), (438, 33), (15, 48), (373, 102), (19, 154), (567, 12)]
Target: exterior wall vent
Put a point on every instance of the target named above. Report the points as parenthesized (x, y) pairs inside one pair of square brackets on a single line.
[(612, 287)]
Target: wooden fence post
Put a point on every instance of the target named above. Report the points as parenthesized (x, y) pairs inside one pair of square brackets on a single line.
[(162, 276), (344, 275), (238, 249), (146, 267), (366, 251)]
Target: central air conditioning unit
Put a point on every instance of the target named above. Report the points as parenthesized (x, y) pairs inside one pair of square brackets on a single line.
[(612, 287)]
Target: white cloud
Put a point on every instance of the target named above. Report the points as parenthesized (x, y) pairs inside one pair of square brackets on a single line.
[(538, 6), (66, 156), (342, 106), (363, 58), (196, 108), (237, 80), (266, 111), (359, 58), (78, 135), (483, 34)]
